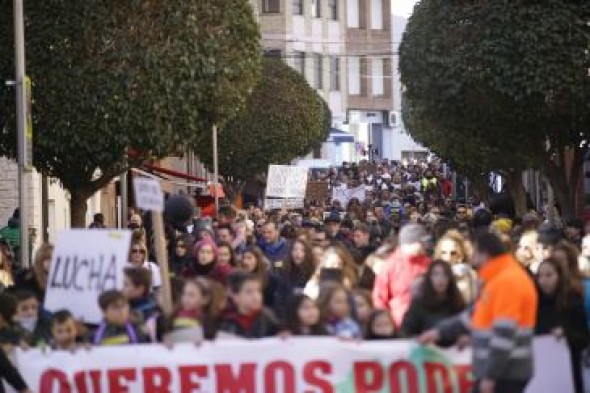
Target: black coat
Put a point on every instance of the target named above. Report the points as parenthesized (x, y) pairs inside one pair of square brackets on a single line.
[(421, 318), (262, 325), (10, 374), (572, 319)]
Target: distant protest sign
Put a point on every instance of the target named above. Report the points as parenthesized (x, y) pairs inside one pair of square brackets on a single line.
[(148, 194), (344, 194), (86, 263), (317, 191), (283, 203), (285, 181)]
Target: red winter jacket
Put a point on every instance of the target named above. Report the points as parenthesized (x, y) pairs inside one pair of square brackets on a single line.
[(393, 285)]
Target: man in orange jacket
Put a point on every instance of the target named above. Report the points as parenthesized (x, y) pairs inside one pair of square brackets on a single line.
[(502, 322)]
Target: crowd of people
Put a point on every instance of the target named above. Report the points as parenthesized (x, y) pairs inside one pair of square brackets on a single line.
[(403, 263)]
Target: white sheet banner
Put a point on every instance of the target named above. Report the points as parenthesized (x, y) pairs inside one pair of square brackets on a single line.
[(285, 181), (283, 203), (86, 262), (344, 194), (309, 365)]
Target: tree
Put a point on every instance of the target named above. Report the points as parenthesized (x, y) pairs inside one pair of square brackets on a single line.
[(503, 84), (284, 118), (113, 75)]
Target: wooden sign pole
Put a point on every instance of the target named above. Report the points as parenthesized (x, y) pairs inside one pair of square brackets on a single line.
[(162, 256)]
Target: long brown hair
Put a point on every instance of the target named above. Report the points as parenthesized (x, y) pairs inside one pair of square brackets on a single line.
[(214, 294), (307, 267), (564, 289), (452, 298), (45, 252), (262, 264), (349, 268), (327, 292), (572, 269)]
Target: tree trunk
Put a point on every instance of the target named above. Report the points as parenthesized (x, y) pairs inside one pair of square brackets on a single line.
[(565, 184), (480, 188), (78, 207), (517, 192)]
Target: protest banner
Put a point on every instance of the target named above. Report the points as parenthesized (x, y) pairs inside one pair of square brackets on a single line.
[(309, 365), (317, 191), (283, 203), (285, 181), (149, 196), (344, 194), (85, 263)]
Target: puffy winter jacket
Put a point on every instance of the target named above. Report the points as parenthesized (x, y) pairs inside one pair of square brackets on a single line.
[(393, 285)]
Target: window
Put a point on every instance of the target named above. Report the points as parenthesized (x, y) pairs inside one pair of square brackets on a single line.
[(352, 11), (275, 53), (334, 74), (354, 76), (271, 6), (316, 8), (299, 62), (377, 75), (318, 71), (377, 14), (333, 5), (297, 7)]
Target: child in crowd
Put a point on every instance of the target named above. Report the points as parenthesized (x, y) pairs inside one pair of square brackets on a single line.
[(335, 311), (380, 326), (247, 318), (63, 331), (303, 317), (11, 334), (116, 327), (198, 309), (34, 324), (136, 288), (363, 303)]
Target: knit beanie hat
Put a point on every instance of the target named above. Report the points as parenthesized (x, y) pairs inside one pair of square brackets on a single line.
[(412, 234), (203, 243)]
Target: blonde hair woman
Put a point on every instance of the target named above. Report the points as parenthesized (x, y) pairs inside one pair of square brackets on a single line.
[(337, 265), (35, 279), (6, 279), (453, 249)]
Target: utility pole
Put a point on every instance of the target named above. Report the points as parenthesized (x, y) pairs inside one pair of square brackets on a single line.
[(215, 170), (21, 123)]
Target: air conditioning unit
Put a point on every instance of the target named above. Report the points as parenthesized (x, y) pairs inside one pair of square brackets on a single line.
[(394, 120)]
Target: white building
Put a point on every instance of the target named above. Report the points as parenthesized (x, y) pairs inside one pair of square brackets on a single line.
[(399, 143)]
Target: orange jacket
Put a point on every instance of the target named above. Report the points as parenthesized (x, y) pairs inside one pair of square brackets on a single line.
[(508, 293)]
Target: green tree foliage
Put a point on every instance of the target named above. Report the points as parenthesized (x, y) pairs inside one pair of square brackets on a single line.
[(111, 75), (501, 85), (284, 118)]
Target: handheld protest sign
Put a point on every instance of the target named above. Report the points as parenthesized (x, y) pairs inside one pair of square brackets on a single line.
[(86, 263), (149, 196)]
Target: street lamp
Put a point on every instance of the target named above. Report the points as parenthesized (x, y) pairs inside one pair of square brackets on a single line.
[(24, 159)]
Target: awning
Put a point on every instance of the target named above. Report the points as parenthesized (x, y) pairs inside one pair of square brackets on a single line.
[(174, 173), (338, 136)]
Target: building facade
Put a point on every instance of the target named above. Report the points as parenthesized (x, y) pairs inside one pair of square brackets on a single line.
[(310, 36), (401, 145)]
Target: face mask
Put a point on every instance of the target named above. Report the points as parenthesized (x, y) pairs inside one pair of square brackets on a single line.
[(28, 323)]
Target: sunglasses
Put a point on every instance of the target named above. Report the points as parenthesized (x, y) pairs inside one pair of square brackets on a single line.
[(137, 251)]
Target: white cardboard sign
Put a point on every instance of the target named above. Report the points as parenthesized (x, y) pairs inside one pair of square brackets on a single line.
[(285, 181), (344, 194), (85, 263), (148, 194)]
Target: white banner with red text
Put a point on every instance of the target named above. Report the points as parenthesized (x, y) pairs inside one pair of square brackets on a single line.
[(294, 365)]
